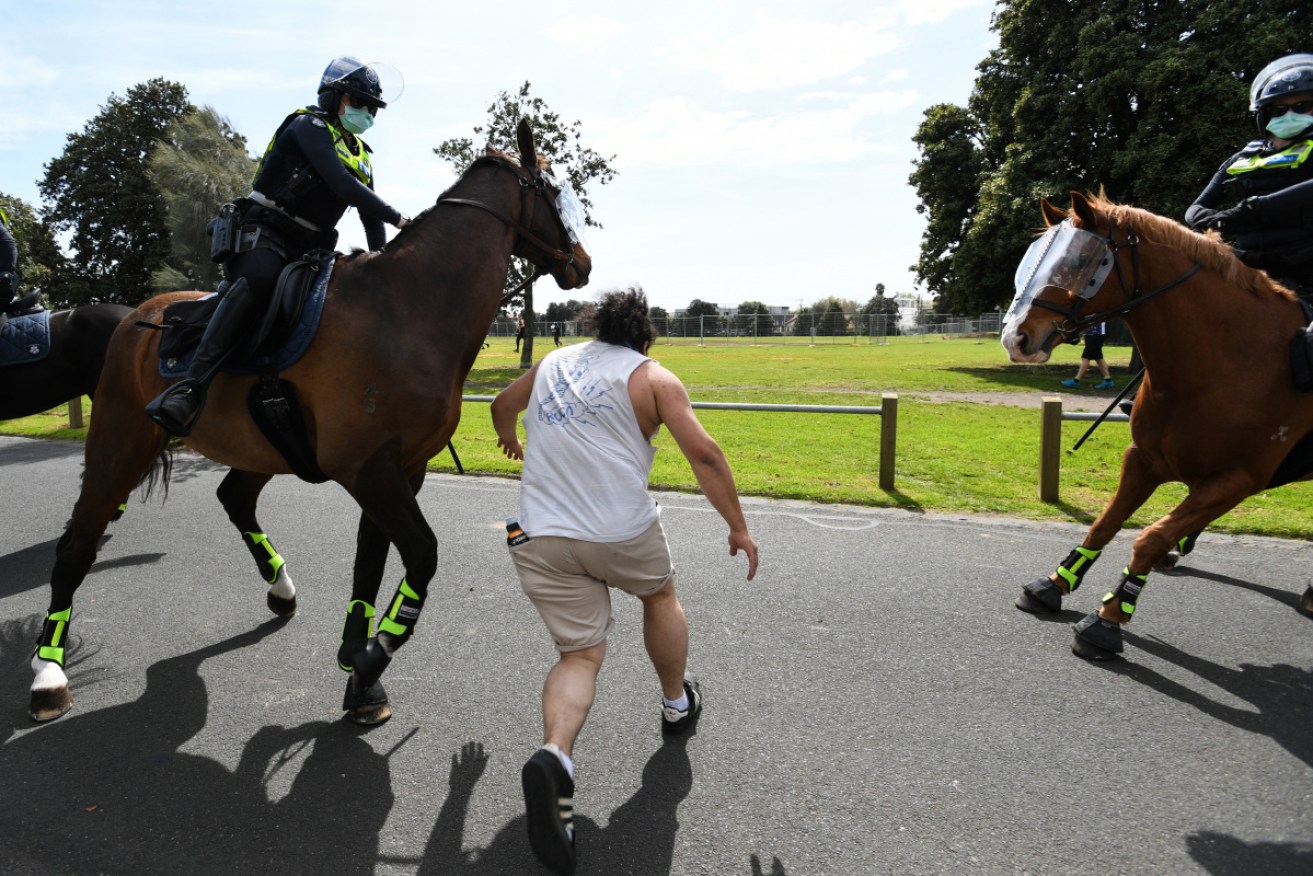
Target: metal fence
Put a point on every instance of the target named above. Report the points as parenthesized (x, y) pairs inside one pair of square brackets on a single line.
[(797, 328)]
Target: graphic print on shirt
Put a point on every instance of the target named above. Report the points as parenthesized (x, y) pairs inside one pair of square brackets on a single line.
[(573, 398)]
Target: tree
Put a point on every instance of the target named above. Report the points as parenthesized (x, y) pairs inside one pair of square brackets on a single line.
[(100, 190), (199, 164), (567, 312), (1141, 99), (885, 310), (39, 256), (748, 320), (703, 317), (557, 141)]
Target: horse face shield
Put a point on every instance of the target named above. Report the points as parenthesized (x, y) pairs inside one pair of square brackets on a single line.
[(1067, 257), (572, 218)]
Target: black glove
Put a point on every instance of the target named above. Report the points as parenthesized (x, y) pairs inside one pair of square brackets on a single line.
[(1202, 218), (1241, 217)]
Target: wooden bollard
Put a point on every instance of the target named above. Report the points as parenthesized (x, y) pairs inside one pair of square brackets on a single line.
[(1050, 448)]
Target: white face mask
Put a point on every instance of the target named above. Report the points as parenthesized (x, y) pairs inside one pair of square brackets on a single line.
[(357, 121)]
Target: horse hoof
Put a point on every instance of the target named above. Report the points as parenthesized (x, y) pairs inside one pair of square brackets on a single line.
[(283, 607), (371, 715), (1096, 638), (1307, 602), (49, 703), (1168, 563), (1040, 597)]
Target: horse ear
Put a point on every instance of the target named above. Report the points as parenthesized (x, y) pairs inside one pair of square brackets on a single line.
[(1052, 215), (1083, 209), (524, 141)]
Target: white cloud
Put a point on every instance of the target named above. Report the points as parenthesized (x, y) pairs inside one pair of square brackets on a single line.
[(935, 11), (586, 34), (778, 53), (675, 132)]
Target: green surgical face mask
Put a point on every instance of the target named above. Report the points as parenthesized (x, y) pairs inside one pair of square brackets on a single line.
[(1289, 126), (357, 121)]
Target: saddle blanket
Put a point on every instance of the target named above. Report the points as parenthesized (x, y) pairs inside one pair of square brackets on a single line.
[(291, 349), (25, 338)]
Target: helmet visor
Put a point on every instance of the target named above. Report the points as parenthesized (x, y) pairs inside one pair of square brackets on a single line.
[(571, 211), (377, 83)]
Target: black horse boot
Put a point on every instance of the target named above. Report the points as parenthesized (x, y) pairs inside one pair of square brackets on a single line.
[(179, 406)]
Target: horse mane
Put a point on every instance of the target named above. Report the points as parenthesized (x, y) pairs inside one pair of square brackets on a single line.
[(1207, 249), (489, 155)]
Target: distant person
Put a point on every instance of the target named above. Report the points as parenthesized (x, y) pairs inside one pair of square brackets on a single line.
[(1261, 198), (556, 333), (587, 524), (519, 331), (8, 264), (1092, 352), (314, 168)]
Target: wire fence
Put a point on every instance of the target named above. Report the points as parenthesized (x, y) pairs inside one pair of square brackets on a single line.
[(762, 328)]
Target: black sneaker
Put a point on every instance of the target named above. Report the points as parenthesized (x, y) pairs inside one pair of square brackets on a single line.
[(549, 810), (673, 721)]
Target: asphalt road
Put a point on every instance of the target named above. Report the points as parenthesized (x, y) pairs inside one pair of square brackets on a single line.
[(875, 705)]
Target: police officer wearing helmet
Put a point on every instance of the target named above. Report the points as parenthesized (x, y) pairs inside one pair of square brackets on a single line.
[(1267, 187), (314, 168)]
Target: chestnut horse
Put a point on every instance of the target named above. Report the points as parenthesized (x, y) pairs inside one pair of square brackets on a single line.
[(380, 390), (1193, 308), (78, 339)]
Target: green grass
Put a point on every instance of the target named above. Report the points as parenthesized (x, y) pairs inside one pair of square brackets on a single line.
[(961, 457)]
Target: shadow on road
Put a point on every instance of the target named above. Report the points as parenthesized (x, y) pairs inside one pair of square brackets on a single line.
[(1281, 694), (110, 791), (639, 838), (1223, 855)]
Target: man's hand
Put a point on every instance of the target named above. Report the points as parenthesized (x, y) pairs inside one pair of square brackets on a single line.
[(741, 541), (1241, 217), (511, 447)]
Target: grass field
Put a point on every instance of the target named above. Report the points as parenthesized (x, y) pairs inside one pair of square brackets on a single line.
[(959, 457)]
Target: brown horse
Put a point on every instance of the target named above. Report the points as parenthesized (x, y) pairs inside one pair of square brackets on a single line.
[(1218, 409), (78, 339), (380, 390)]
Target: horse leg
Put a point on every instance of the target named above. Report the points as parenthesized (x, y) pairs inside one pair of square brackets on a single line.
[(114, 467), (387, 497), (238, 493), (1136, 485), (369, 706), (1098, 635)]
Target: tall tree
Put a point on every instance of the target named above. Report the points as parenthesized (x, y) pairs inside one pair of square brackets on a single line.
[(199, 164), (1140, 98), (560, 142), (100, 190), (39, 256)]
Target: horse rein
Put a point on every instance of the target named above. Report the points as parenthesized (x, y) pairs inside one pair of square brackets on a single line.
[(531, 188), (1075, 323)]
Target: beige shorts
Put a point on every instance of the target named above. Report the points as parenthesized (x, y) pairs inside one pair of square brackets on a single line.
[(569, 580)]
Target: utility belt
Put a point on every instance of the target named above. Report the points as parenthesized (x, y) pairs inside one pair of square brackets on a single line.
[(246, 225)]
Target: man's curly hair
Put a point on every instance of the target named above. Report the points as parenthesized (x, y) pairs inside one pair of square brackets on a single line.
[(622, 319)]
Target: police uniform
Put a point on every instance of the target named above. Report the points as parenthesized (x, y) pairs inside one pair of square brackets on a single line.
[(313, 169), (1277, 187)]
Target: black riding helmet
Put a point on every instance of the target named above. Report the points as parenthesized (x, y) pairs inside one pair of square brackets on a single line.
[(1292, 74), (348, 75)]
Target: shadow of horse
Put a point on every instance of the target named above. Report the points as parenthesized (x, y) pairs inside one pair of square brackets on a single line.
[(1276, 594), (29, 568), (1282, 694), (111, 790), (1221, 854)]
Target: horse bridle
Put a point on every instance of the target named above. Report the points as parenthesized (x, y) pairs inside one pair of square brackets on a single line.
[(532, 189), (1134, 295)]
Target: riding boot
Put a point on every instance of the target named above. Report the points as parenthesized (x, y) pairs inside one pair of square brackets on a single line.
[(179, 406)]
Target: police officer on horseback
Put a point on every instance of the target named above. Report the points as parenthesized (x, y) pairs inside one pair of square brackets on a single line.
[(1269, 183), (314, 168), (8, 264)]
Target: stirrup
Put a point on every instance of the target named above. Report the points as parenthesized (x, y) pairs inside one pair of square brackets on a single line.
[(166, 419)]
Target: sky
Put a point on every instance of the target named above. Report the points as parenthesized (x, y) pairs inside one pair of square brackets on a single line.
[(761, 149)]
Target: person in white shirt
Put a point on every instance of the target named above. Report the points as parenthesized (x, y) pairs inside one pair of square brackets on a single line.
[(587, 523)]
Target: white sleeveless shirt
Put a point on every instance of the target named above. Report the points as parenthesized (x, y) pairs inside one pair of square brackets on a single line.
[(586, 465)]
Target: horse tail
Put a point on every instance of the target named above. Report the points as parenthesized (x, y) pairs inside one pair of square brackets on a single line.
[(158, 473)]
